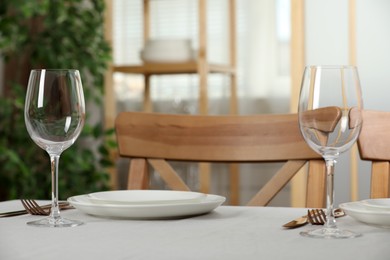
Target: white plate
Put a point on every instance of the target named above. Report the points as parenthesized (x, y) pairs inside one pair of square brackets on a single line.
[(142, 197), (383, 204), (147, 211), (363, 213)]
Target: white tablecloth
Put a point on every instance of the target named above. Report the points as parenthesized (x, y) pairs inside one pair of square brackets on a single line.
[(226, 233)]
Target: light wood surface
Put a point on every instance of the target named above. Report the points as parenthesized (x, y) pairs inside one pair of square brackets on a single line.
[(298, 196), (139, 175), (354, 173), (374, 144), (316, 180), (227, 139), (158, 68)]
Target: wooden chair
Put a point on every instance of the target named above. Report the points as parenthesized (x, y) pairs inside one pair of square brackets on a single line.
[(151, 138), (374, 146)]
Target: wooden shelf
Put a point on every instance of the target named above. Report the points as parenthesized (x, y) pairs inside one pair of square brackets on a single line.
[(190, 67), (202, 67)]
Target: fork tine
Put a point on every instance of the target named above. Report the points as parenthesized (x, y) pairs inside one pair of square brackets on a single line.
[(32, 207), (322, 214), (26, 206), (33, 210), (311, 217), (38, 208), (316, 216)]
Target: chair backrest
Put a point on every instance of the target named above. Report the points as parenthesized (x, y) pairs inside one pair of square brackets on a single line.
[(374, 146), (155, 138)]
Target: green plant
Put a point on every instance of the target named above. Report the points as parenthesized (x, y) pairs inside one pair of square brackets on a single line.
[(52, 34)]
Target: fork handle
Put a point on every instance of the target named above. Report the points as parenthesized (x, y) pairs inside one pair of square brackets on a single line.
[(13, 213)]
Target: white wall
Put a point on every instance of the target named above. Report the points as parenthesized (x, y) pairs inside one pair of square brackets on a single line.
[(373, 52), (326, 29)]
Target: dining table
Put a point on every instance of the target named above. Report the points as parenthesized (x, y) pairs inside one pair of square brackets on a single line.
[(227, 232)]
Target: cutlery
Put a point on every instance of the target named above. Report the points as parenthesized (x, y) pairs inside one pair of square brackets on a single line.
[(63, 205), (316, 216), (33, 208), (298, 222), (301, 221)]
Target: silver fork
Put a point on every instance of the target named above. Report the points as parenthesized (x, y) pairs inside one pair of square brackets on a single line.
[(33, 208), (318, 216)]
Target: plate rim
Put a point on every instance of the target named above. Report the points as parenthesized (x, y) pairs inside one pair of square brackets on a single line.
[(93, 197), (369, 217), (141, 211), (345, 206), (366, 202)]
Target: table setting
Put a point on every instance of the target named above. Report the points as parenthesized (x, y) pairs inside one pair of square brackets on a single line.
[(168, 224), (226, 232)]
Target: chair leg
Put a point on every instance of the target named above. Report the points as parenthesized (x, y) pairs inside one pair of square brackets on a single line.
[(138, 177), (234, 195), (380, 179), (316, 184)]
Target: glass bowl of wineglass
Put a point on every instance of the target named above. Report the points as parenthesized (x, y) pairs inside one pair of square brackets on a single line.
[(54, 116), (330, 119)]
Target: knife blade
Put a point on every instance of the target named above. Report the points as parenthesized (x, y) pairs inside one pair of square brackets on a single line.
[(298, 222)]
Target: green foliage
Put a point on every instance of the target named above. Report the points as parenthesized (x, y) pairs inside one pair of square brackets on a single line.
[(52, 34)]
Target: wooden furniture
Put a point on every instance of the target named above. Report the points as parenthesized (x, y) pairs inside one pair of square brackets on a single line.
[(374, 146), (156, 138), (297, 65), (201, 66)]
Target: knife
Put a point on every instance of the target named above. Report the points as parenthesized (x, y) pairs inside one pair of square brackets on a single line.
[(298, 222), (13, 213), (301, 221)]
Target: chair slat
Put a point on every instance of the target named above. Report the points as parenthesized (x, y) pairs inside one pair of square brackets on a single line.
[(316, 181), (277, 182), (168, 174), (374, 143), (229, 139), (138, 174), (212, 139)]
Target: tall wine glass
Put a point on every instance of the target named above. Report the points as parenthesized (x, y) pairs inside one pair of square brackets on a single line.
[(330, 119), (54, 114)]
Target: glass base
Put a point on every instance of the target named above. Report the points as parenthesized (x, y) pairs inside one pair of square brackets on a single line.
[(55, 222), (331, 233)]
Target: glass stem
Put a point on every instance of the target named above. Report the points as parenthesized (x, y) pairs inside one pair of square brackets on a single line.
[(55, 211), (330, 220)]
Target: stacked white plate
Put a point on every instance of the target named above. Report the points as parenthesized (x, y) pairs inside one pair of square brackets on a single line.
[(168, 51), (146, 204), (371, 211)]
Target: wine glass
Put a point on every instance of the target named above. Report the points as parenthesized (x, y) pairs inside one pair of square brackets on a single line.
[(330, 119), (54, 114)]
